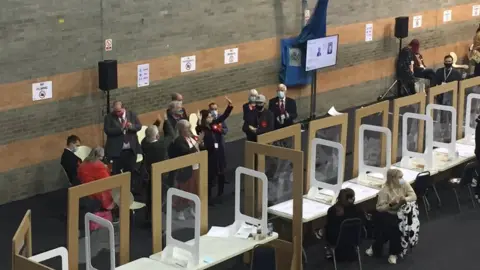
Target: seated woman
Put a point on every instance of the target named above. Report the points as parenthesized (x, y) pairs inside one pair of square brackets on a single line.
[(343, 209), (93, 169), (391, 198), (420, 70)]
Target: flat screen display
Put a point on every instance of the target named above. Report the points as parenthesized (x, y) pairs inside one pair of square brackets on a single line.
[(321, 53)]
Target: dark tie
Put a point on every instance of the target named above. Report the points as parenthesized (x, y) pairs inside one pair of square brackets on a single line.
[(125, 136), (282, 107)]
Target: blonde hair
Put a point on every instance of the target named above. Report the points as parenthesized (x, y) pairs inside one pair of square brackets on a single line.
[(95, 154), (282, 87), (253, 92), (393, 175), (151, 133)]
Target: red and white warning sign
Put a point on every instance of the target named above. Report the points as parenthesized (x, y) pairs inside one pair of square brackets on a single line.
[(108, 44)]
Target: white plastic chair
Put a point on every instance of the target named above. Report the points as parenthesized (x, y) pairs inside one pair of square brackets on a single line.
[(134, 206), (455, 58), (83, 151), (141, 134)]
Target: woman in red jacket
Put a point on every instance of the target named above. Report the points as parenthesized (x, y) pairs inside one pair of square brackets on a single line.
[(93, 169)]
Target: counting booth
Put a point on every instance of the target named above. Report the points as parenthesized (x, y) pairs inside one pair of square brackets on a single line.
[(280, 206)]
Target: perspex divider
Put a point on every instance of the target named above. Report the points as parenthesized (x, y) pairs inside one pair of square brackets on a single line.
[(379, 173), (469, 131), (61, 252), (314, 183), (89, 217), (175, 247), (452, 144), (239, 217), (427, 155)]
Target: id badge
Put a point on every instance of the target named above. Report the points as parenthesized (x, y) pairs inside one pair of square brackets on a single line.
[(444, 83), (215, 145)]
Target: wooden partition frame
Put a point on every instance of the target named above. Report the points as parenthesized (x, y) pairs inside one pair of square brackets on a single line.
[(419, 98), (381, 107), (327, 122), (442, 89), (296, 157), (167, 166), (253, 204), (462, 87), (121, 181)]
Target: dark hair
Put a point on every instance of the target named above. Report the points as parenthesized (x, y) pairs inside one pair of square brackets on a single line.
[(478, 29), (72, 139), (447, 56), (344, 196), (211, 104), (204, 114)]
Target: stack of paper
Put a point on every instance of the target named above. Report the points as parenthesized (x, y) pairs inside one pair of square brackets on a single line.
[(465, 150), (221, 232), (362, 193)]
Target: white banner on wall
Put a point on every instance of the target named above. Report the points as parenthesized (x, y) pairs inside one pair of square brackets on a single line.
[(417, 21), (42, 90), (231, 56), (188, 63), (369, 32), (143, 75)]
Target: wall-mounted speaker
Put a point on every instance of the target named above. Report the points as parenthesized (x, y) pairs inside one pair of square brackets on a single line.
[(107, 75), (401, 27)]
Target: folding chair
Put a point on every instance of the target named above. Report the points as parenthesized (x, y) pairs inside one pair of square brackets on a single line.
[(469, 172), (422, 185), (263, 258), (350, 236)]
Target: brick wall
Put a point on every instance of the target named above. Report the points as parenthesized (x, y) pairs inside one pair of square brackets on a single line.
[(35, 46)]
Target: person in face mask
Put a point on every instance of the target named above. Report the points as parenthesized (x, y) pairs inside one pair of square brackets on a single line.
[(446, 74), (175, 113), (259, 121), (250, 105), (70, 161), (122, 146), (212, 128), (391, 198), (284, 109)]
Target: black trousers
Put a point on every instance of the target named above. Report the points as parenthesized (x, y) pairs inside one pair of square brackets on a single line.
[(125, 162), (387, 230), (426, 73)]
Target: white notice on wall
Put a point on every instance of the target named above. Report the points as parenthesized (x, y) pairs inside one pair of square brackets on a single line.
[(42, 90), (369, 32), (143, 75), (417, 21), (476, 10), (108, 44), (231, 56), (188, 63), (447, 15)]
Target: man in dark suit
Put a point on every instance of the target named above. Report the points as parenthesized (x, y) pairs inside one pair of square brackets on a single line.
[(121, 127), (284, 109), (259, 121), (446, 74), (70, 161)]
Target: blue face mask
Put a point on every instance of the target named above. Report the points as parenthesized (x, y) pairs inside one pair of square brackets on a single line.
[(281, 94), (252, 99), (214, 113), (401, 181)]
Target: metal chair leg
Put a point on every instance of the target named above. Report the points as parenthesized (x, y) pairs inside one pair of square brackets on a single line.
[(359, 258), (304, 254), (427, 207), (436, 194), (458, 200), (472, 197), (334, 259)]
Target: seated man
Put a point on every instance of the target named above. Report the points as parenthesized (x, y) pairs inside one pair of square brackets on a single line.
[(70, 161), (446, 74)]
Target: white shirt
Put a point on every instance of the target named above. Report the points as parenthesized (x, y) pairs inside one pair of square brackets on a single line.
[(124, 118)]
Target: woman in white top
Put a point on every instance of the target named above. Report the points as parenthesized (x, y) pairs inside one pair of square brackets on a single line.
[(396, 193)]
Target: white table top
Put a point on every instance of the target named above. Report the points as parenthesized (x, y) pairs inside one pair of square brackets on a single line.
[(314, 210), (216, 250), (141, 264)]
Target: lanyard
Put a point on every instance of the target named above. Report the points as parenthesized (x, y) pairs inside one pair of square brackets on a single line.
[(445, 75)]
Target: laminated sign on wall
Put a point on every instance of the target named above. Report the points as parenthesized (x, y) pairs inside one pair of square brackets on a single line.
[(447, 15), (369, 32), (42, 90), (108, 44), (417, 21), (143, 75), (231, 56), (188, 63), (476, 10)]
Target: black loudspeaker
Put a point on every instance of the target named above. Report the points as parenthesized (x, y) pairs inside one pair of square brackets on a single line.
[(107, 75), (401, 27)]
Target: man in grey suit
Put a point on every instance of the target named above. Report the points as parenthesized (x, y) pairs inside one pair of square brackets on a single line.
[(122, 147)]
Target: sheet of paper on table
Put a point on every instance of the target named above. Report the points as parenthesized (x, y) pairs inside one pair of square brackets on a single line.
[(245, 231), (465, 150), (361, 192), (310, 208), (221, 232)]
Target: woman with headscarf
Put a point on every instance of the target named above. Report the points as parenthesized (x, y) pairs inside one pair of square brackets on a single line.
[(391, 198), (420, 70), (211, 129)]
